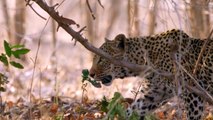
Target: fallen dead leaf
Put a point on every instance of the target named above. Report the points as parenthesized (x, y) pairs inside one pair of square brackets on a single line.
[(209, 117), (161, 115), (54, 108), (10, 104)]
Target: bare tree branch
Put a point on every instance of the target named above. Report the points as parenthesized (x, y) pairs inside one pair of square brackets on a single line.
[(76, 35)]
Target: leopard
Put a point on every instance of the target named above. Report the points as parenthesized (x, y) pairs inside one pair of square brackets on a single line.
[(173, 51)]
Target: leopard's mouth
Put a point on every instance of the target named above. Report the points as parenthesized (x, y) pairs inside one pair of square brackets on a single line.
[(106, 80)]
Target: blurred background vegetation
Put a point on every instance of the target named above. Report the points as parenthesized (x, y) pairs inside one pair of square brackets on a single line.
[(60, 61)]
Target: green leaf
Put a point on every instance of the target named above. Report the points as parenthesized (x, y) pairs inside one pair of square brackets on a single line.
[(3, 59), (7, 48), (17, 65), (22, 51), (150, 117), (120, 110), (17, 46), (59, 117), (134, 116), (115, 107), (104, 104), (85, 75), (96, 84), (85, 72), (19, 52), (16, 55), (117, 95)]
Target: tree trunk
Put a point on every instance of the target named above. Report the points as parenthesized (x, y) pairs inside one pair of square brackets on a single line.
[(114, 12), (199, 18), (7, 18), (206, 19), (19, 20), (152, 17), (133, 21)]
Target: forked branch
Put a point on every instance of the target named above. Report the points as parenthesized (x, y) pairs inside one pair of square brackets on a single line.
[(77, 36)]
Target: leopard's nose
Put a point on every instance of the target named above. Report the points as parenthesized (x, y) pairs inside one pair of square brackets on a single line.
[(92, 72), (92, 75)]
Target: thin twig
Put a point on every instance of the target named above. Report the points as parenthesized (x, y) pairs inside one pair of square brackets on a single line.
[(90, 9), (83, 87), (82, 29), (39, 44), (35, 11), (204, 94), (137, 91), (99, 2), (60, 4), (200, 93), (35, 61)]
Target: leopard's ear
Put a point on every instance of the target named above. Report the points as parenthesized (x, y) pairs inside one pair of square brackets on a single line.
[(107, 40), (121, 41)]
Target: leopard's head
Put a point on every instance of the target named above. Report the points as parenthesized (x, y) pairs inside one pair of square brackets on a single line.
[(104, 71)]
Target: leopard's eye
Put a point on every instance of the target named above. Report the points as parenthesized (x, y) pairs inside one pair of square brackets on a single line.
[(99, 61)]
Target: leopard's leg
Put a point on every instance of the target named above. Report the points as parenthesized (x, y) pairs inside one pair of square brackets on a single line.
[(194, 105), (154, 94)]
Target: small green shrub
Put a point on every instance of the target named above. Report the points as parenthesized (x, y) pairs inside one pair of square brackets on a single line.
[(114, 107), (85, 77), (12, 50), (6, 58)]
